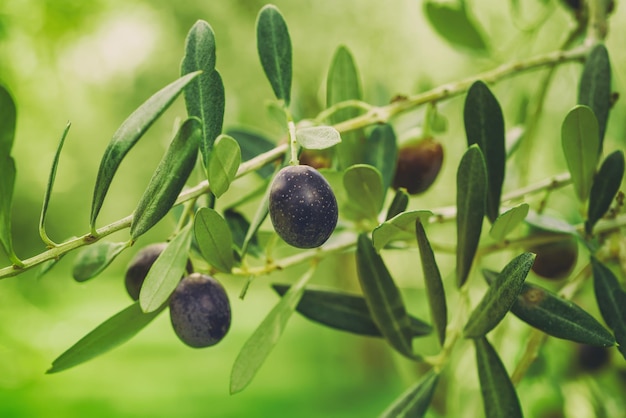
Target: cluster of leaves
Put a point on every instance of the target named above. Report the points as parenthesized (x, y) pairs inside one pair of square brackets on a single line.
[(361, 172)]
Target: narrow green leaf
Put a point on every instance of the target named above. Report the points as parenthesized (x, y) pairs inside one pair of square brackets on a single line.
[(127, 136), (595, 87), (500, 296), (484, 125), (604, 188), (471, 194), (8, 121), (214, 239), (342, 84), (7, 186), (239, 227), (262, 341), (318, 137), (223, 164), (382, 152), (400, 227), (434, 284), (453, 23), (274, 47), (579, 137), (113, 332), (508, 221), (398, 205), (93, 259), (414, 402), (550, 223), (498, 393), (364, 187), (168, 179), (611, 300), (555, 316), (259, 216), (166, 272), (253, 144), (344, 311), (51, 177), (383, 297)]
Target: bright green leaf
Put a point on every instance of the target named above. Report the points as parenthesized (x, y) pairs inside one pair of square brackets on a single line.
[(7, 186), (364, 188), (274, 48), (453, 23), (595, 87), (414, 402), (550, 223), (400, 227), (382, 152), (223, 164), (318, 137), (93, 259), (604, 188), (8, 120), (579, 137), (214, 239), (508, 221), (253, 144), (611, 300), (166, 272)]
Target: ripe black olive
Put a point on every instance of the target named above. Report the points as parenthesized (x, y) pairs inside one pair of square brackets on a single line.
[(418, 165), (302, 206), (200, 311), (555, 260)]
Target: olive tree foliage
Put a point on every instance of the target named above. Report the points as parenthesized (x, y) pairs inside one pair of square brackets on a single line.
[(340, 182)]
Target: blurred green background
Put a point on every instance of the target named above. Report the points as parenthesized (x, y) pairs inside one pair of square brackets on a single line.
[(92, 63)]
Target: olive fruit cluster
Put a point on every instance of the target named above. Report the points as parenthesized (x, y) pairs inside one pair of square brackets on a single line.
[(418, 165), (302, 206)]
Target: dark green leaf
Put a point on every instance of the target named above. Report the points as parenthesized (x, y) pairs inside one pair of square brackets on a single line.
[(262, 341), (128, 134), (434, 284), (344, 311), (611, 300), (604, 188), (51, 177), (93, 259), (579, 137), (499, 396), (453, 24), (253, 144), (223, 164), (8, 119), (113, 332), (400, 227), (471, 194), (166, 272), (595, 87), (556, 316), (398, 205), (169, 178), (508, 221), (214, 239), (500, 296), (484, 125), (383, 297), (7, 186), (415, 401), (274, 47), (382, 152), (364, 188), (239, 227)]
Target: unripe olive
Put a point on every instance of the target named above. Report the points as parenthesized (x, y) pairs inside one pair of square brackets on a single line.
[(200, 311), (555, 260), (418, 165), (302, 206)]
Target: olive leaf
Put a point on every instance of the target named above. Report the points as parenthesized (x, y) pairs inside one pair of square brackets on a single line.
[(381, 151), (580, 141), (214, 239), (497, 390), (260, 344), (595, 87), (344, 311), (471, 194), (611, 300), (168, 179), (318, 137), (383, 298), (484, 125), (274, 48), (204, 96), (48, 193), (127, 135), (113, 332), (400, 227), (8, 120), (166, 272), (500, 296), (93, 259), (398, 205), (253, 144), (550, 223), (556, 316), (223, 164), (364, 188), (434, 284), (506, 222), (604, 188), (239, 227), (453, 23), (414, 402)]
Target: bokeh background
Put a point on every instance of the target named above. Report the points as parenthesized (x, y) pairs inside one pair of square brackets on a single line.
[(92, 63)]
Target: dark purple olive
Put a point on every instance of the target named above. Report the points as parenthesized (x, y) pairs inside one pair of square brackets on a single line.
[(418, 165), (200, 311), (302, 206), (592, 358), (555, 260)]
